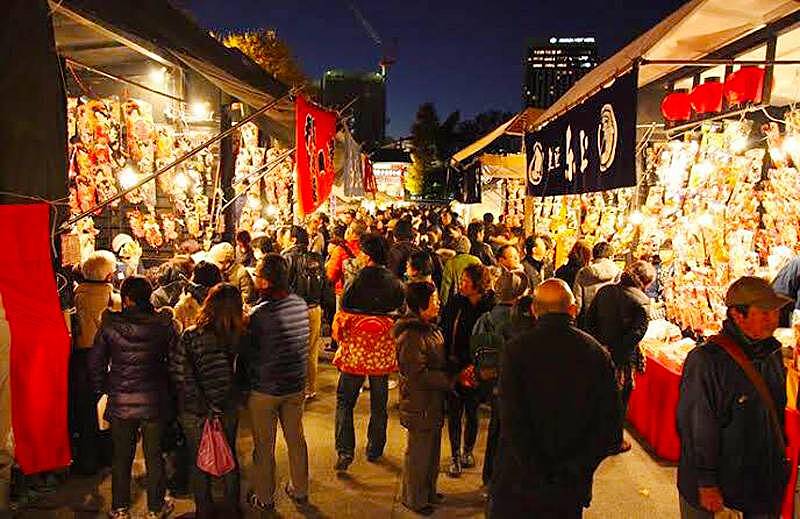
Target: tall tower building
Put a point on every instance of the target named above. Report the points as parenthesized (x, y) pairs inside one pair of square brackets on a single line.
[(362, 95), (552, 66)]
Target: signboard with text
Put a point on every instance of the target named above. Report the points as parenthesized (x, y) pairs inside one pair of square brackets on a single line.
[(589, 148)]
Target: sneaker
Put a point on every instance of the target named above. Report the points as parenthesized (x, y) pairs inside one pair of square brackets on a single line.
[(372, 458), (392, 384), (119, 513), (300, 500), (467, 460), (455, 468), (343, 462), (166, 509), (256, 504)]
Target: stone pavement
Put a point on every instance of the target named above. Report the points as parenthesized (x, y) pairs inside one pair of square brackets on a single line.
[(629, 486)]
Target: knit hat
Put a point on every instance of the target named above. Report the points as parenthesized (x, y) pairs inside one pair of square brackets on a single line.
[(221, 253), (99, 265), (463, 246), (510, 285)]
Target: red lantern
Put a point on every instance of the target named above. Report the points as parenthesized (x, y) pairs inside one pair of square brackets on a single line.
[(746, 85), (676, 106), (707, 98)]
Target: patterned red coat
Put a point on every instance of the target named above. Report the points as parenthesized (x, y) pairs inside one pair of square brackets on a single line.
[(366, 345)]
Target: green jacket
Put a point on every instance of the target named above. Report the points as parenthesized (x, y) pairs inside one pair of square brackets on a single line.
[(451, 275)]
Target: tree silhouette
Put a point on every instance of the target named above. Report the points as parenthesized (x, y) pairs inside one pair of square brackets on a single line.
[(270, 52)]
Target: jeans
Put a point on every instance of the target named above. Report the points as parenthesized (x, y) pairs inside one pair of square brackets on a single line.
[(462, 401), (492, 439), (346, 397), (123, 436), (265, 413), (200, 481), (690, 512)]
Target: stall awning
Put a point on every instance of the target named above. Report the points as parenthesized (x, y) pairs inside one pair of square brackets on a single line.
[(696, 29), (514, 126), (163, 30), (503, 166)]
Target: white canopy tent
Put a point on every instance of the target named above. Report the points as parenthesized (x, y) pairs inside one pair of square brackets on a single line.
[(692, 32)]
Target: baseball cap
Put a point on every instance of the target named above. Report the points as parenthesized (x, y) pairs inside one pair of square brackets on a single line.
[(753, 291)]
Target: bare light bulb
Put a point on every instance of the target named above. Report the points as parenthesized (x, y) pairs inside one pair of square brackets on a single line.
[(636, 218), (158, 75), (128, 177), (181, 181), (200, 110)]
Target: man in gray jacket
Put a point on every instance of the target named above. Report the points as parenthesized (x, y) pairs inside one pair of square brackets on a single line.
[(591, 278)]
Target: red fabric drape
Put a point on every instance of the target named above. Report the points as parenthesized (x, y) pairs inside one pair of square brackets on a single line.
[(39, 339), (315, 132)]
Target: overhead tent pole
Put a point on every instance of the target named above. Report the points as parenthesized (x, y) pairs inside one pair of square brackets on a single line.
[(113, 77), (66, 225), (712, 62)]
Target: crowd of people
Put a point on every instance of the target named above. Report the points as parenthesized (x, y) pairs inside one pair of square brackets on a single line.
[(463, 315)]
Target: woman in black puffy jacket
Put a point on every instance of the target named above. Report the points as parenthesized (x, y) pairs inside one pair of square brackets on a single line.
[(135, 343), (202, 369)]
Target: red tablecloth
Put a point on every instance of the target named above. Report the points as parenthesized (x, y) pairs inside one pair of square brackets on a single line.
[(652, 412), (653, 407)]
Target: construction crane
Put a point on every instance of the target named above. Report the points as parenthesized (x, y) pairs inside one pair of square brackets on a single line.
[(387, 57)]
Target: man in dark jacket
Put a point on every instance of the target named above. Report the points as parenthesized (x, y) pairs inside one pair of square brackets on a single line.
[(618, 317), (276, 361), (402, 248), (787, 283), (376, 289), (307, 279), (553, 434), (366, 351), (732, 439), (135, 342)]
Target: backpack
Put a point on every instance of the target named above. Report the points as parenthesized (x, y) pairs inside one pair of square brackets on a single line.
[(309, 277)]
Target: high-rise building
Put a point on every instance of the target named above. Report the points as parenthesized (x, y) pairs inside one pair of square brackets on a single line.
[(362, 97), (552, 66)]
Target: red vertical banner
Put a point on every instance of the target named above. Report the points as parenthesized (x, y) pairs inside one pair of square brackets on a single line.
[(315, 132), (39, 339), (370, 185)]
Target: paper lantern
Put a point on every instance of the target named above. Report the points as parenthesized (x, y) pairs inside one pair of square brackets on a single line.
[(746, 85), (707, 98), (676, 106)]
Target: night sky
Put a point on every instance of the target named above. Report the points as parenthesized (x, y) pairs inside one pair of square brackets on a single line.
[(462, 55)]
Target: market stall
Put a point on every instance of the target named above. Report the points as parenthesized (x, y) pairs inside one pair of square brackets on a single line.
[(150, 100), (695, 172)]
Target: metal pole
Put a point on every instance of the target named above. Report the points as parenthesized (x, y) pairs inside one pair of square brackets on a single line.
[(66, 225), (711, 62), (71, 61)]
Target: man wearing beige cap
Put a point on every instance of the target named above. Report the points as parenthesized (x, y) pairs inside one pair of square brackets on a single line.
[(730, 412)]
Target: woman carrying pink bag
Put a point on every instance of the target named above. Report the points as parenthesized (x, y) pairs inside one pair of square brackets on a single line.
[(202, 368)]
